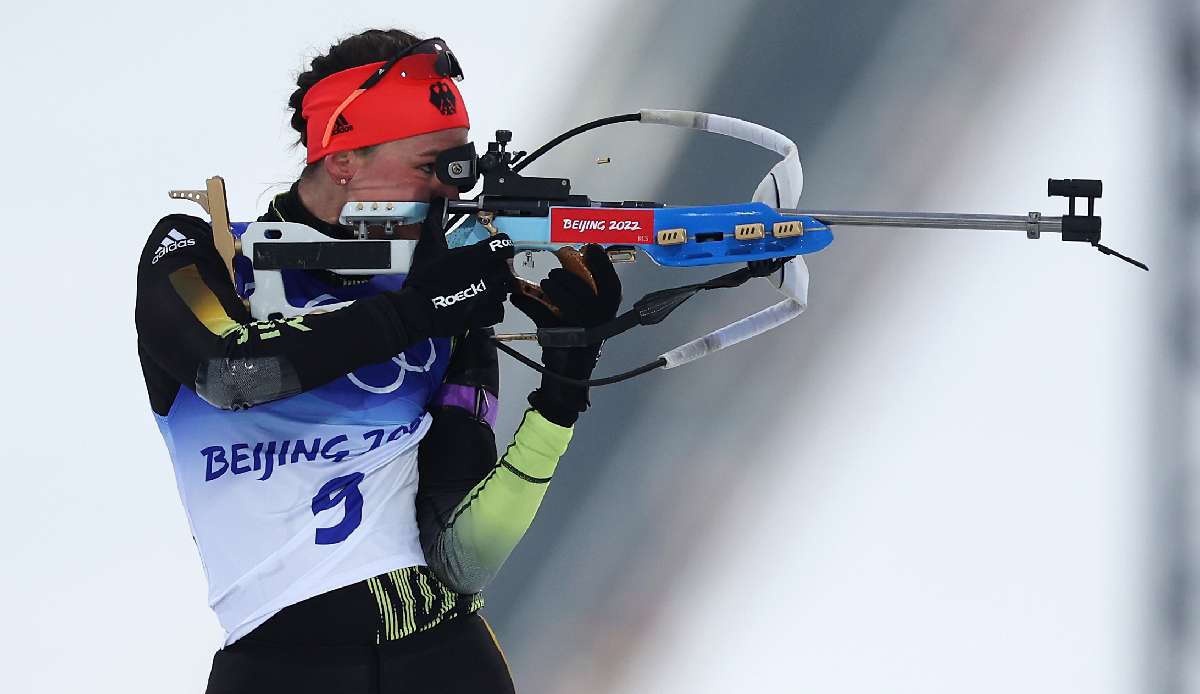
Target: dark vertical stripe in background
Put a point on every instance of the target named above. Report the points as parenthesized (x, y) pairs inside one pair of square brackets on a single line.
[(788, 66)]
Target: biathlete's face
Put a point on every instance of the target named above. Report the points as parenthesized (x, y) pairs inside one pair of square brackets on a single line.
[(402, 170)]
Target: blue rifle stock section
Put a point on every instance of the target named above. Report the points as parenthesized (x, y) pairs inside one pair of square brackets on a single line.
[(711, 240), (709, 230)]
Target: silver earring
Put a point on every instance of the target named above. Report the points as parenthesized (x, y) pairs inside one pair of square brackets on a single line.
[(342, 182)]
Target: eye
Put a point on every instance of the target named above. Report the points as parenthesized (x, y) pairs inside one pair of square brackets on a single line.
[(426, 168)]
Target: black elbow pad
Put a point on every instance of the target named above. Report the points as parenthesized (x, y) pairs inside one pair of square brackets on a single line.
[(235, 384)]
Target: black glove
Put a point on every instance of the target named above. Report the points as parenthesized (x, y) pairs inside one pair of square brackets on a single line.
[(456, 290), (579, 306)]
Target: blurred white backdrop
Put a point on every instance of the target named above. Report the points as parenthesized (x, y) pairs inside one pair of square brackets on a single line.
[(958, 503)]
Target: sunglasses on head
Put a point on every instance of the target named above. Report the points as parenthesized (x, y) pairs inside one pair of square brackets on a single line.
[(442, 63), (428, 59)]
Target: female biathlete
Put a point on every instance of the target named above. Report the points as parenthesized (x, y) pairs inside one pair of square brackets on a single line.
[(339, 470)]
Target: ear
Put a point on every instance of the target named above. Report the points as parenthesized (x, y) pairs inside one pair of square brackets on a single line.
[(341, 165)]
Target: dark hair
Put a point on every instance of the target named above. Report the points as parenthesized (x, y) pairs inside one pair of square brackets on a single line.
[(370, 46)]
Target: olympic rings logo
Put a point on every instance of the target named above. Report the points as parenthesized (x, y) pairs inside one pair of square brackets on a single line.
[(401, 361)]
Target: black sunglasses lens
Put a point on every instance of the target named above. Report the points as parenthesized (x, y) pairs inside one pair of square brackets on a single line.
[(447, 65)]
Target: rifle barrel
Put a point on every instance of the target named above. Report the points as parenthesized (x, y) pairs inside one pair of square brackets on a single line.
[(1033, 223)]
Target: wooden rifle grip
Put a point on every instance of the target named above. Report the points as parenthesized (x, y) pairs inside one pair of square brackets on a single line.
[(531, 290), (572, 261)]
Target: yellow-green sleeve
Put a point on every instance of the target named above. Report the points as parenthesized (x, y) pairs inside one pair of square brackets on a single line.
[(493, 517)]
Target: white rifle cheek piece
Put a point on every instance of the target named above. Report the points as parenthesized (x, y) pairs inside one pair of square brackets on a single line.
[(269, 300), (273, 246), (264, 242)]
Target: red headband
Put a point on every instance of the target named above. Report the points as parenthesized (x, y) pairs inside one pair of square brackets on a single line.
[(411, 99)]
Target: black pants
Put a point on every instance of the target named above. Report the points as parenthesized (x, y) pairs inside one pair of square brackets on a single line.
[(460, 655)]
